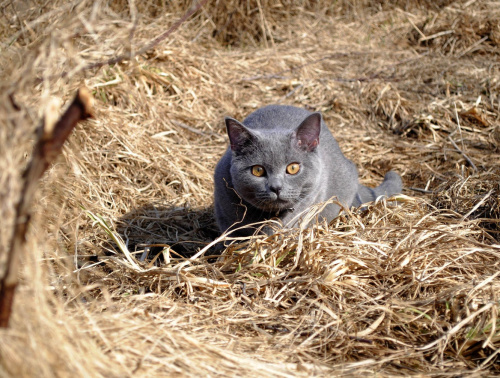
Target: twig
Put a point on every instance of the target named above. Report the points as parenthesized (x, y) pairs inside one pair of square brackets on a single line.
[(469, 49), (192, 129), (463, 154), (421, 190), (416, 27), (154, 42), (440, 34), (51, 137), (483, 200)]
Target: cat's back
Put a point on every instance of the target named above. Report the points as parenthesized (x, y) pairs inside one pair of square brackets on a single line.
[(276, 116)]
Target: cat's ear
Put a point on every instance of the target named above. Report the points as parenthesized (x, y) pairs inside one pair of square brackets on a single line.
[(239, 135), (306, 136)]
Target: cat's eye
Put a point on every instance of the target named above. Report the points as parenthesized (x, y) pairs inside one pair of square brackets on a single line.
[(293, 168), (258, 170)]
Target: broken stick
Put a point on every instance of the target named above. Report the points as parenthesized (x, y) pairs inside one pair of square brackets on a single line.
[(51, 137)]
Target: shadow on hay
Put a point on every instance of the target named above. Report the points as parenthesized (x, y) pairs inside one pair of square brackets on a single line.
[(185, 230)]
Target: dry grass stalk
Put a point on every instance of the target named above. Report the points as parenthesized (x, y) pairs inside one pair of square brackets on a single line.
[(390, 290)]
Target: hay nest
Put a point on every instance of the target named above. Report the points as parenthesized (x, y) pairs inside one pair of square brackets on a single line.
[(123, 275)]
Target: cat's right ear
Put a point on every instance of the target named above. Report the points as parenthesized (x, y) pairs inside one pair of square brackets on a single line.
[(239, 135), (306, 136)]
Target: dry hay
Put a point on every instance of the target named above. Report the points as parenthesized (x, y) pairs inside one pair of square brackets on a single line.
[(394, 290)]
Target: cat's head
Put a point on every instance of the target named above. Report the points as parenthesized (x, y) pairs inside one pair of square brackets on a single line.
[(274, 169)]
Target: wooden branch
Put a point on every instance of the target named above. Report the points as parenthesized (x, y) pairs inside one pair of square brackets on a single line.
[(51, 137)]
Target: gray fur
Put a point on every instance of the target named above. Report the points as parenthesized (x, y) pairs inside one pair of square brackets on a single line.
[(273, 137)]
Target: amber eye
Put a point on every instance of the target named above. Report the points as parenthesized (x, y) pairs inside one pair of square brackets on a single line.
[(258, 170), (293, 168)]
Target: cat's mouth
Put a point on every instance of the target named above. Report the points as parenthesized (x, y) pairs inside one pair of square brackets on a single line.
[(272, 205)]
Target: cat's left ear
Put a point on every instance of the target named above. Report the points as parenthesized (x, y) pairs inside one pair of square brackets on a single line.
[(239, 136), (306, 136)]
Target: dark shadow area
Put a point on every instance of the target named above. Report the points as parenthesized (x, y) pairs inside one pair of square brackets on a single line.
[(148, 230)]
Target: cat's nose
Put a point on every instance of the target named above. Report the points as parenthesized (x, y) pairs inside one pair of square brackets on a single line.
[(276, 189)]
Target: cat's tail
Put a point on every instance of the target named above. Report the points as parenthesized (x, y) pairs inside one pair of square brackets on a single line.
[(391, 185)]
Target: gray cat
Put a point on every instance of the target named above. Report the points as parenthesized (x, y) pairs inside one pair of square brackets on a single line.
[(282, 160)]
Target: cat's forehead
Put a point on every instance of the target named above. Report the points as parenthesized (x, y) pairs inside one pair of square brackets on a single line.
[(274, 147)]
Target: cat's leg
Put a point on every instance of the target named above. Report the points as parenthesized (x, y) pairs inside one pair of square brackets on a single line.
[(233, 215), (223, 216), (391, 185)]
